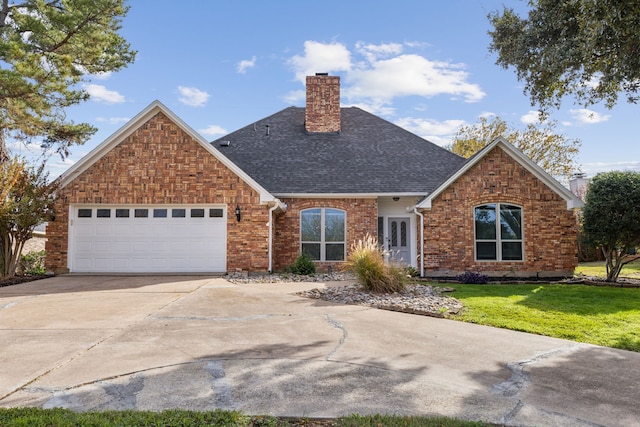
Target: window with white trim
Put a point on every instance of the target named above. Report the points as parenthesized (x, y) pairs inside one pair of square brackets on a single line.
[(498, 232), (323, 234)]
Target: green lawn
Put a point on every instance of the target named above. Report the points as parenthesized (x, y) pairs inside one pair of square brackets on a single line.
[(597, 269), (35, 417), (607, 316)]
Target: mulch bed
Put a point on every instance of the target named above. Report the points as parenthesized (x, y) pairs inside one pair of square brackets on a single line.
[(20, 279)]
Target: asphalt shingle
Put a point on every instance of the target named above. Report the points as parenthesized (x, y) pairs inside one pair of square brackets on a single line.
[(369, 155)]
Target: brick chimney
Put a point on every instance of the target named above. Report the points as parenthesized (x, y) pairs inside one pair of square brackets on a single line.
[(322, 114)]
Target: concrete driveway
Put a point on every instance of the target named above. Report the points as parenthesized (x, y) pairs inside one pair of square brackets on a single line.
[(153, 343)]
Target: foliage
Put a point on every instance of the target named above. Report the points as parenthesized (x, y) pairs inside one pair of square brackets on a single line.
[(367, 263), (553, 152), (45, 50), (472, 278), (611, 218), (589, 49), (599, 269), (601, 315), (32, 263), (304, 265), (411, 271), (59, 417), (27, 201)]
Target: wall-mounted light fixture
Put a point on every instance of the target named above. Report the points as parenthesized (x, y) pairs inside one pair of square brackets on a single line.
[(238, 213), (395, 199)]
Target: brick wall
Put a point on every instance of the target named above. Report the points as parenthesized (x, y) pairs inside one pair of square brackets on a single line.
[(550, 232), (161, 164), (361, 216), (322, 112)]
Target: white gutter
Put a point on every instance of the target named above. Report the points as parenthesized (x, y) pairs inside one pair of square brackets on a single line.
[(272, 209), (415, 211)]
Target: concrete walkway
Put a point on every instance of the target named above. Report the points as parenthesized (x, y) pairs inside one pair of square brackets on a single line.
[(153, 343)]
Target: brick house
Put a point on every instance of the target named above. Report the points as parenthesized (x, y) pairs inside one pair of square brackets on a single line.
[(157, 197)]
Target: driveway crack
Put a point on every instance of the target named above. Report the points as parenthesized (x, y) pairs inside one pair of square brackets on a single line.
[(341, 327), (520, 379)]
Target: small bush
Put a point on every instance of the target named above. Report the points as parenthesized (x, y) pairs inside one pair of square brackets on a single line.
[(32, 263), (471, 278), (304, 265), (367, 263)]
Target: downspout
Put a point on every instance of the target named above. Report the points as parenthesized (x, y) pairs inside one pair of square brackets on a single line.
[(270, 243), (415, 211)]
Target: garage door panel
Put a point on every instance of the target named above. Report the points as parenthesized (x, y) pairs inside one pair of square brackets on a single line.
[(139, 244)]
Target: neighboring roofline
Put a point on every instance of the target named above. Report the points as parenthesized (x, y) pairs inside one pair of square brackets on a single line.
[(345, 195), (132, 125), (572, 200)]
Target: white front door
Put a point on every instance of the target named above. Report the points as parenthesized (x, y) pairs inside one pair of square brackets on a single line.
[(398, 239)]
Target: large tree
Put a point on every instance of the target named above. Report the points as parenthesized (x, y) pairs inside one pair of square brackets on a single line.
[(28, 199), (48, 48), (611, 218), (587, 48), (553, 152)]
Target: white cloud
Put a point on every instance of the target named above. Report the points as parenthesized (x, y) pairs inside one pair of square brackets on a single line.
[(295, 97), (589, 117), (213, 130), (100, 93), (192, 96), (437, 132), (532, 117), (113, 120), (245, 64), (486, 115), (102, 76), (592, 169), (374, 52), (383, 73), (409, 74), (320, 58)]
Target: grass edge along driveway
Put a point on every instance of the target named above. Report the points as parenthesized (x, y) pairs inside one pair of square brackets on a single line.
[(605, 316)]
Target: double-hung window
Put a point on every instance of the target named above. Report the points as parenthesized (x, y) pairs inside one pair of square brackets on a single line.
[(498, 229), (323, 234)]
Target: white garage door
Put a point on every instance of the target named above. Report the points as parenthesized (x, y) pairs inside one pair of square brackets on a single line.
[(147, 239)]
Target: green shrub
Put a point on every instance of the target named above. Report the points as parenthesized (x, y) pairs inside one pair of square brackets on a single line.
[(366, 262), (32, 263), (304, 265)]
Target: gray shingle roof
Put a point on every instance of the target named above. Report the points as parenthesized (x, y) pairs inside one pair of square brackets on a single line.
[(369, 155)]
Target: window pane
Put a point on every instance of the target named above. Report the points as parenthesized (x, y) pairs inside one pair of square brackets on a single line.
[(512, 251), (380, 230), (486, 250), (310, 223), (216, 213), (312, 249), (197, 213), (122, 213), (334, 252), (141, 213), (403, 234), (178, 213), (486, 222), (103, 213), (84, 213), (510, 222), (159, 213), (333, 225)]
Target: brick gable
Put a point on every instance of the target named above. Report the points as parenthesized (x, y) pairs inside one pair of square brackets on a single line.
[(159, 163), (549, 229)]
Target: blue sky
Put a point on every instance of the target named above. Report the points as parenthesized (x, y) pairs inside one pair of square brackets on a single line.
[(424, 65)]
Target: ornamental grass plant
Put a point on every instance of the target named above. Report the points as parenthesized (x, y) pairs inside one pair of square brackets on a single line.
[(366, 262)]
